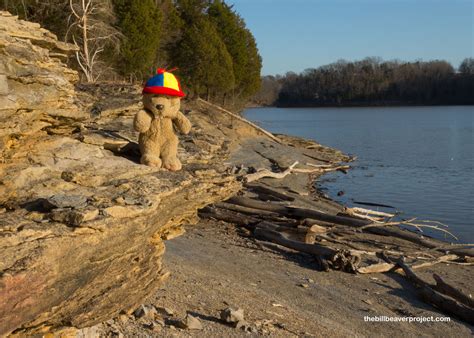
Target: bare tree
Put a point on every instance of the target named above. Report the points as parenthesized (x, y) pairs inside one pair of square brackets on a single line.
[(91, 30)]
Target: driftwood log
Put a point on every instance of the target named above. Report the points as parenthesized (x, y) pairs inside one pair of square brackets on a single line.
[(339, 259), (319, 216), (385, 267), (429, 294), (455, 293)]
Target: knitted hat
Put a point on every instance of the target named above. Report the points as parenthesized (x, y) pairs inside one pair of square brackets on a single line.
[(164, 83)]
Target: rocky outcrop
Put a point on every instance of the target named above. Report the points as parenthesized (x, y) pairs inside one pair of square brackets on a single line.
[(36, 87), (82, 223)]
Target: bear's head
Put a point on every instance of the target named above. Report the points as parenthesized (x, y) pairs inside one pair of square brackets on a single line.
[(162, 105)]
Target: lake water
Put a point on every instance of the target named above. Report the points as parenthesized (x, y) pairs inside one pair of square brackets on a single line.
[(419, 160)]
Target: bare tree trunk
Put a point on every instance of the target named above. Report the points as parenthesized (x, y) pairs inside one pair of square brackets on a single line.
[(91, 33), (85, 42)]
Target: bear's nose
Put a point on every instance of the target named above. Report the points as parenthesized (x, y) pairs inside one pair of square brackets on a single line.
[(160, 106)]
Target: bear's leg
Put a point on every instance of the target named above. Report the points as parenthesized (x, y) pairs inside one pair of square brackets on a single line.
[(169, 151), (150, 150), (151, 160)]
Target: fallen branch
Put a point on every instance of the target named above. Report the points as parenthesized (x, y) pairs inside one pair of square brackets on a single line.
[(319, 165), (267, 173), (228, 216), (359, 224), (291, 211), (346, 260), (449, 290), (381, 229), (263, 232), (429, 295), (321, 170), (253, 125), (259, 189), (363, 211), (245, 210), (385, 267)]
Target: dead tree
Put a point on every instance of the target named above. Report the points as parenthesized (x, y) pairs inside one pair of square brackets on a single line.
[(90, 28)]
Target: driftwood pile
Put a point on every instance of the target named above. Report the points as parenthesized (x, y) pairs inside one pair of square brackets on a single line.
[(354, 240)]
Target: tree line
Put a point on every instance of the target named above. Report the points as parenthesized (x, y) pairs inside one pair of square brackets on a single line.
[(371, 81), (206, 41)]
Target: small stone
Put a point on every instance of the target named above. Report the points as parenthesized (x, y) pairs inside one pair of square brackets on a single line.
[(123, 318), (120, 200), (35, 216), (154, 326), (241, 324), (74, 217), (367, 301), (232, 316), (280, 325), (67, 201), (303, 285), (164, 311), (190, 323), (92, 331), (145, 311), (159, 321)]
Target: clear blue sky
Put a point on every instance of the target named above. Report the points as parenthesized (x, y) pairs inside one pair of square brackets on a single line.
[(299, 34)]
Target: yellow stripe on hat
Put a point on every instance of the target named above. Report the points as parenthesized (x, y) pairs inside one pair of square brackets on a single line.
[(169, 81)]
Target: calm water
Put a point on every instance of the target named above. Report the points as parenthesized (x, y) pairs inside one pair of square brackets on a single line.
[(419, 160)]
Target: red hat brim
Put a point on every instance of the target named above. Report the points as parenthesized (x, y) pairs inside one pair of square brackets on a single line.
[(162, 91)]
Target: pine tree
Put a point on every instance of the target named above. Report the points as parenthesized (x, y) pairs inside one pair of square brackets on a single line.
[(241, 45), (171, 28), (204, 60), (200, 53), (140, 22)]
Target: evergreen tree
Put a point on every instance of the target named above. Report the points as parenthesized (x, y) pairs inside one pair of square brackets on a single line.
[(171, 28), (252, 79), (241, 45), (140, 22), (204, 60)]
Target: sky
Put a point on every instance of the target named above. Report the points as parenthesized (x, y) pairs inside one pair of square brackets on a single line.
[(293, 35)]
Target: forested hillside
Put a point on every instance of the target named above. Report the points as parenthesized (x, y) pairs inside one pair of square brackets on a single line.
[(208, 43), (372, 82)]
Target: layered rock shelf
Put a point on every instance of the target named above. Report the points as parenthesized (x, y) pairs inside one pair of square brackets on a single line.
[(82, 223)]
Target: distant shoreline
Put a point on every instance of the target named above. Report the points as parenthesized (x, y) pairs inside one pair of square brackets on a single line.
[(361, 105)]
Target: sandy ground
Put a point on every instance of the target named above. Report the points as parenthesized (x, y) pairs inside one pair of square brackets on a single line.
[(214, 266)]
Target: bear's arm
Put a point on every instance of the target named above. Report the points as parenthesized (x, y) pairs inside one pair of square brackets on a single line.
[(182, 123), (142, 121)]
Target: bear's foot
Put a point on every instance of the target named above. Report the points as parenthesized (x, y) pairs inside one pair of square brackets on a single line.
[(151, 160), (172, 164)]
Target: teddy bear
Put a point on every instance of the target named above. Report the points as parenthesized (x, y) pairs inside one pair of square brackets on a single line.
[(161, 102)]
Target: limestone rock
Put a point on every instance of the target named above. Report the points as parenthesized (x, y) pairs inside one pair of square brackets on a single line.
[(232, 316), (190, 323), (145, 311), (36, 87), (82, 222)]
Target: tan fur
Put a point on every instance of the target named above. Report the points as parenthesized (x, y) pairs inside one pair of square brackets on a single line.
[(158, 142)]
